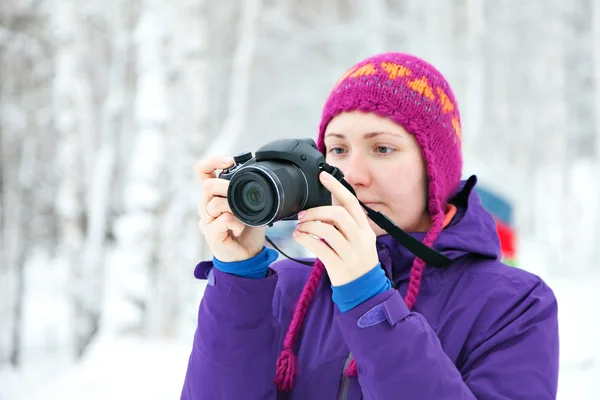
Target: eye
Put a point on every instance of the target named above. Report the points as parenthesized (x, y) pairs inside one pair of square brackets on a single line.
[(384, 149), (336, 150)]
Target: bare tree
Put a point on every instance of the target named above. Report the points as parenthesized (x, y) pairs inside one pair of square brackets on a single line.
[(24, 121), (75, 125), (595, 41), (172, 308)]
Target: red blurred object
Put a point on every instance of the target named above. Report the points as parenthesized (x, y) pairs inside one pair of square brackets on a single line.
[(507, 240)]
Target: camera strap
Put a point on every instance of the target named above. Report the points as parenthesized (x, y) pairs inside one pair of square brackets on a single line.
[(425, 253)]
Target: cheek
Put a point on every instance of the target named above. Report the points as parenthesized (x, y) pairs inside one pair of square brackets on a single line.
[(406, 185), (332, 161), (408, 178)]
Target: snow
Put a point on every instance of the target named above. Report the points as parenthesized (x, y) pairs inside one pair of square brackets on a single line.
[(578, 333), (115, 368)]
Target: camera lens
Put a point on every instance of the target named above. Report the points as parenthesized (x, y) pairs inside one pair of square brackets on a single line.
[(253, 197), (267, 191)]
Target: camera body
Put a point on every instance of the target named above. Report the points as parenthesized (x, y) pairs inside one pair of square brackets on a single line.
[(281, 180)]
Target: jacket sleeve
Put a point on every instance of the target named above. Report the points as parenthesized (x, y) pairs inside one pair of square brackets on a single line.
[(398, 354), (236, 341)]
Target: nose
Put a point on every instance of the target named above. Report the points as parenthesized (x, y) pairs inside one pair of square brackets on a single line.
[(356, 171)]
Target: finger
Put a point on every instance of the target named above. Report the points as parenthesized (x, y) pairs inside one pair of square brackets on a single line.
[(205, 218), (222, 224), (317, 247), (206, 168), (345, 198), (217, 206), (236, 226), (336, 216), (219, 228), (213, 188), (327, 232), (205, 221)]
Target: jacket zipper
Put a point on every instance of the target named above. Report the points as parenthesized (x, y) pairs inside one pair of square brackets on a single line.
[(345, 381)]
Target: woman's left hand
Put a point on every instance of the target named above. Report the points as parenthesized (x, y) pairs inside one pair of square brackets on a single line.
[(345, 228)]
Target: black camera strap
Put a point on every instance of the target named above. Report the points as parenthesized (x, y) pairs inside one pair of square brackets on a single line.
[(425, 253)]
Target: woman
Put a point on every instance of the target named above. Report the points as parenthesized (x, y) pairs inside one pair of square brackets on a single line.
[(369, 319)]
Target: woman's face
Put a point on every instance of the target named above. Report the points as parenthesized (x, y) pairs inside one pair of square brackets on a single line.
[(384, 165)]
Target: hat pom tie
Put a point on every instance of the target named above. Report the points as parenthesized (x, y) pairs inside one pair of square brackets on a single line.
[(286, 371)]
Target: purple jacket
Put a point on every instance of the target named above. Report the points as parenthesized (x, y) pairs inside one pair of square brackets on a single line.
[(479, 329)]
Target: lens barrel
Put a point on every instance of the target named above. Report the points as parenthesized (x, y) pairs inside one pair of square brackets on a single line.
[(268, 191)]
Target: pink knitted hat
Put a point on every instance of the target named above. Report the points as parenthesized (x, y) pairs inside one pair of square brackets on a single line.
[(415, 95)]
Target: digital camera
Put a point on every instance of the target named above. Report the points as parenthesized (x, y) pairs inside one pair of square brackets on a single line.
[(281, 180)]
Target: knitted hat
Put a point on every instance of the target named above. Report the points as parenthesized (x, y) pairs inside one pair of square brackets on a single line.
[(415, 95)]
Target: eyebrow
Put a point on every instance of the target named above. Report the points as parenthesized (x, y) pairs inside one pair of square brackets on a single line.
[(368, 135)]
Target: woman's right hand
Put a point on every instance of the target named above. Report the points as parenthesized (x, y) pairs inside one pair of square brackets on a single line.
[(228, 238)]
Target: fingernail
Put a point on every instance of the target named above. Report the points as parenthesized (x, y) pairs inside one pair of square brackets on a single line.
[(295, 233), (301, 214), (325, 175), (227, 160)]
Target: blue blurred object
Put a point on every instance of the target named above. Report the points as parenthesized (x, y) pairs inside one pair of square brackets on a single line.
[(496, 204), (502, 212)]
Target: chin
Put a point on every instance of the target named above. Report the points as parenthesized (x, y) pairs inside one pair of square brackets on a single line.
[(378, 231)]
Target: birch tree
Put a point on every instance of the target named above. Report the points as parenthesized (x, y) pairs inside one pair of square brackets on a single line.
[(174, 307), (24, 148), (138, 228), (74, 122)]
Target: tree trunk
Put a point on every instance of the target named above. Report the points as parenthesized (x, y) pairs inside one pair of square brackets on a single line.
[(22, 52), (74, 110), (238, 99)]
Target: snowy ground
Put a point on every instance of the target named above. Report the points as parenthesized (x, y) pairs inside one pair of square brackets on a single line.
[(578, 301), (126, 368)]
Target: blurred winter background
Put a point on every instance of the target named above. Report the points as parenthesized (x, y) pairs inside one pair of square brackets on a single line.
[(105, 106)]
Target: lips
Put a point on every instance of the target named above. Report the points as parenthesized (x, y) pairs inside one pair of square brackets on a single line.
[(371, 205)]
